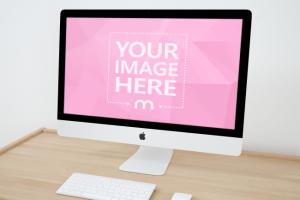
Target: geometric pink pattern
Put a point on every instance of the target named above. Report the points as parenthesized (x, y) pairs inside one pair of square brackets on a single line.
[(184, 70)]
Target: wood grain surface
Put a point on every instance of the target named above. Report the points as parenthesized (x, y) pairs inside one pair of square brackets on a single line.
[(36, 168)]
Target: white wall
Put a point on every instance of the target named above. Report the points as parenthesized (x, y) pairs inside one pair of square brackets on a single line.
[(29, 32)]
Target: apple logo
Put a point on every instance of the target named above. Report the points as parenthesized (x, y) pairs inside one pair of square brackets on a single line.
[(142, 136)]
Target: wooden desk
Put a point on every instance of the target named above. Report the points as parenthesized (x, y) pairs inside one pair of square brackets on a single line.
[(35, 169)]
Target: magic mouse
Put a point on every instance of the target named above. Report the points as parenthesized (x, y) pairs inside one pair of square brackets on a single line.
[(181, 196)]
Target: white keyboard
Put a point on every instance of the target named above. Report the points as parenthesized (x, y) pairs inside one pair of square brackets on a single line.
[(105, 188)]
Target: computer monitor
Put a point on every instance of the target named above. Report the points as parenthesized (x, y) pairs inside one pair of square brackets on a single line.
[(162, 79)]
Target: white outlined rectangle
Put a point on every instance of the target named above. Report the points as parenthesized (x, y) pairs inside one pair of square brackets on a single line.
[(185, 65)]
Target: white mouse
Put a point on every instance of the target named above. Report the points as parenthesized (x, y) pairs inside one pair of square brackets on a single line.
[(181, 196)]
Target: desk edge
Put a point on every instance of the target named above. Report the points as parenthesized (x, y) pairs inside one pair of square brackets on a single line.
[(54, 131)]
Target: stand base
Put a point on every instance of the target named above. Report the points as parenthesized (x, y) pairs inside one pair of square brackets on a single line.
[(148, 160)]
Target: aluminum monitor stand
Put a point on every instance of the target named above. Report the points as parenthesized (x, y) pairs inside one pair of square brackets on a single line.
[(148, 160)]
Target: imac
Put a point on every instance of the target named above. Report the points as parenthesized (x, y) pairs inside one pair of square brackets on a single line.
[(161, 79)]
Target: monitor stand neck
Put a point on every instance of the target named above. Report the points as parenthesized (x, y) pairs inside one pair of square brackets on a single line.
[(148, 160)]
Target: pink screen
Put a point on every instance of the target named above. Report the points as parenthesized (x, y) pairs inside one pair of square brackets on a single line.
[(179, 71)]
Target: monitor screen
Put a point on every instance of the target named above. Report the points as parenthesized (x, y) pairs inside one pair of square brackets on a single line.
[(174, 71)]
